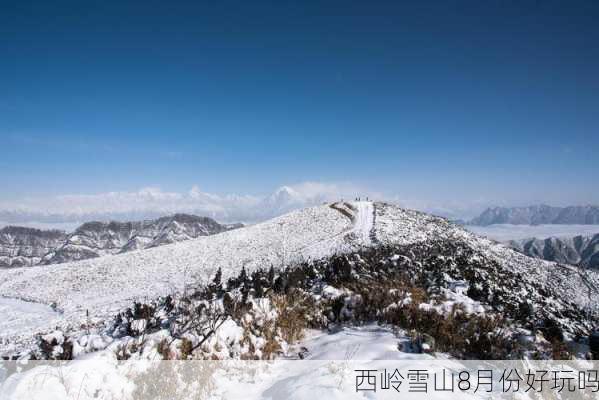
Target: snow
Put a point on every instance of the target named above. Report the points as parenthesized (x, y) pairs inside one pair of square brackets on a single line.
[(330, 292), (453, 299), (364, 220), (19, 316), (330, 370), (397, 226), (105, 285), (454, 295), (368, 342), (102, 378), (108, 284)]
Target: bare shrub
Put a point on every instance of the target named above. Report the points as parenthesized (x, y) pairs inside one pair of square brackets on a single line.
[(186, 348), (201, 321), (271, 347), (163, 349), (295, 311)]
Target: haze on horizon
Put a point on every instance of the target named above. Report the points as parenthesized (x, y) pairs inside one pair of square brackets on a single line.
[(442, 107)]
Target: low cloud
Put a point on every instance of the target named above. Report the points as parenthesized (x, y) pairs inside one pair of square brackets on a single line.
[(151, 202)]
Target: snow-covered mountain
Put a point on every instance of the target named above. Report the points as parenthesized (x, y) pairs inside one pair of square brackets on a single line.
[(28, 247), (24, 247), (106, 285), (538, 214), (577, 250)]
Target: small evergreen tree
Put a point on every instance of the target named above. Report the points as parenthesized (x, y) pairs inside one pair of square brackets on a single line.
[(258, 281), (244, 285), (217, 281), (243, 276), (271, 276), (216, 287)]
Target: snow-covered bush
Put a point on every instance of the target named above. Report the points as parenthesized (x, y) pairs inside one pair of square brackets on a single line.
[(55, 346)]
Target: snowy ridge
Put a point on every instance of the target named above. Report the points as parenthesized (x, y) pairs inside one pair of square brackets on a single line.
[(106, 285)]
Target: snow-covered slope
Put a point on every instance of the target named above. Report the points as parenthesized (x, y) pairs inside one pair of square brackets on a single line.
[(395, 225), (108, 284)]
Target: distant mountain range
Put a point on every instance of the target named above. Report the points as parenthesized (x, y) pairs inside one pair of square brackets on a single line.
[(21, 246), (578, 250), (537, 215)]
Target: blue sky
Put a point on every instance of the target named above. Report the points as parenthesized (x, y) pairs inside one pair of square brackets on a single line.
[(444, 103)]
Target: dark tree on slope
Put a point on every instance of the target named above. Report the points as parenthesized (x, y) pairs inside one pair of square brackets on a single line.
[(216, 287), (244, 285), (218, 278), (259, 282), (271, 276)]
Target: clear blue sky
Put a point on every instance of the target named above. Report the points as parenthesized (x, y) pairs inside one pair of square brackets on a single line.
[(441, 101)]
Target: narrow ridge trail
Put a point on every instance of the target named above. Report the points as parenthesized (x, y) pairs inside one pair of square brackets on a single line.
[(364, 224)]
